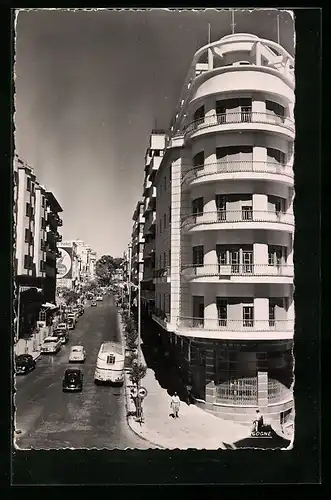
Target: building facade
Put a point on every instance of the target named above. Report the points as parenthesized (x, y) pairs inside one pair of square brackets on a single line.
[(51, 221), (225, 226), (33, 275), (153, 159), (137, 241)]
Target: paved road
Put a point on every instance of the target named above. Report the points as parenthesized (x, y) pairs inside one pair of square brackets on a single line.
[(95, 418)]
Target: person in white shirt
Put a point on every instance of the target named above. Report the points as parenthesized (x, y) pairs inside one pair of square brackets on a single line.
[(175, 404)]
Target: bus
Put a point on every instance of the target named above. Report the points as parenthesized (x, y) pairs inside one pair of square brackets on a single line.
[(110, 364)]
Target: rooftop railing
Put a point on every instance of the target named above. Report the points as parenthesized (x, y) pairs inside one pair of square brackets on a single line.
[(237, 166), (246, 215)]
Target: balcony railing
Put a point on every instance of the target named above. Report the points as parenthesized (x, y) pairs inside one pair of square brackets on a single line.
[(237, 325), (245, 116), (233, 216), (233, 166), (192, 271), (278, 392), (161, 314)]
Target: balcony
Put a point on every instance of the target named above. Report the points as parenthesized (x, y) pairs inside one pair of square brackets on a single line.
[(238, 273), (239, 219), (161, 275), (154, 166), (147, 186), (243, 170), (222, 329), (58, 237), (151, 205), (175, 141), (245, 120), (161, 318)]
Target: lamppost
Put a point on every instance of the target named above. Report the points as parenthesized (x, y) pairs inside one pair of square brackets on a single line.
[(20, 290)]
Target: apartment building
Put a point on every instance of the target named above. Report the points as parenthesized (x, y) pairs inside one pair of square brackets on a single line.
[(153, 159), (137, 241), (34, 278), (225, 226), (51, 223)]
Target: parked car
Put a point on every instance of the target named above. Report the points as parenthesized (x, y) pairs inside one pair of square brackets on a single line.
[(62, 326), (24, 363), (71, 323), (77, 354), (51, 345), (72, 380), (63, 335), (99, 298), (93, 303)]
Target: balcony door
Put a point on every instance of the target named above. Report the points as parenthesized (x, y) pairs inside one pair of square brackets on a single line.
[(247, 261), (235, 261), (198, 311), (197, 208), (222, 311), (248, 316)]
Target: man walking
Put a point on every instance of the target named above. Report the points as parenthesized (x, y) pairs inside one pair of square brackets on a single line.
[(175, 404)]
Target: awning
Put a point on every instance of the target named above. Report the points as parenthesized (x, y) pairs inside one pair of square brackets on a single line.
[(48, 305)]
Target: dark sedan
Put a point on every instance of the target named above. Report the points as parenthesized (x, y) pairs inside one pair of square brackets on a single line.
[(24, 363), (72, 380)]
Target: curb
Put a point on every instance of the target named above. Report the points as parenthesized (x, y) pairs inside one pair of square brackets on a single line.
[(120, 326)]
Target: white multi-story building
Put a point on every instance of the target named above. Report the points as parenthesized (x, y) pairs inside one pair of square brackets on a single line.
[(153, 158), (137, 240), (225, 226)]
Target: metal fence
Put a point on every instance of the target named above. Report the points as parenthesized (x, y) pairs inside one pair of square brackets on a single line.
[(278, 392), (239, 392)]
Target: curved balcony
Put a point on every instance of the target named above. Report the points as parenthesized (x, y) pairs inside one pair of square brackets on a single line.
[(267, 220), (241, 121), (238, 170), (238, 273), (222, 329)]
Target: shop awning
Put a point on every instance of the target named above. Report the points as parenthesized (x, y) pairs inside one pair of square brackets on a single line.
[(48, 305)]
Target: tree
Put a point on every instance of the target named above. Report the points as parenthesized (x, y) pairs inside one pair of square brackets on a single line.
[(106, 267), (70, 296), (138, 371)]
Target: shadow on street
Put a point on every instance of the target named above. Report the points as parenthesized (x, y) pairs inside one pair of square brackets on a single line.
[(162, 362), (275, 441)]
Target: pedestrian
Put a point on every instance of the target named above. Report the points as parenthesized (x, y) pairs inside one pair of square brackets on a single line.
[(258, 422), (175, 404)]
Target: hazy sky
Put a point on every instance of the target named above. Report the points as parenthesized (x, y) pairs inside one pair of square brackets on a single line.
[(89, 85)]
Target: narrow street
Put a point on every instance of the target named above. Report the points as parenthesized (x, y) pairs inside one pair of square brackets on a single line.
[(95, 418)]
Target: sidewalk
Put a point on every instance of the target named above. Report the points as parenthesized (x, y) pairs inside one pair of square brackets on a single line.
[(195, 428), (32, 345)]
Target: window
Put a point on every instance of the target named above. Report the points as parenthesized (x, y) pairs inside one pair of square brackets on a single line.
[(276, 255), (27, 236), (43, 201), (164, 260), (165, 221), (275, 108), (160, 262), (42, 266), (28, 262), (160, 225), (169, 216), (28, 184), (277, 156), (27, 209), (197, 255), (111, 359), (272, 312), (169, 257), (197, 206), (199, 159), (165, 183), (221, 206), (248, 316), (199, 116), (220, 112), (157, 152), (222, 311)]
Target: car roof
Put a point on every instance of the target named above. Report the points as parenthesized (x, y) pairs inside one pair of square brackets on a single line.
[(51, 337), (73, 370), (77, 347)]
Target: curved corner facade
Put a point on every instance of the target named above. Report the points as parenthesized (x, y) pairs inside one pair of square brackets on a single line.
[(225, 227)]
